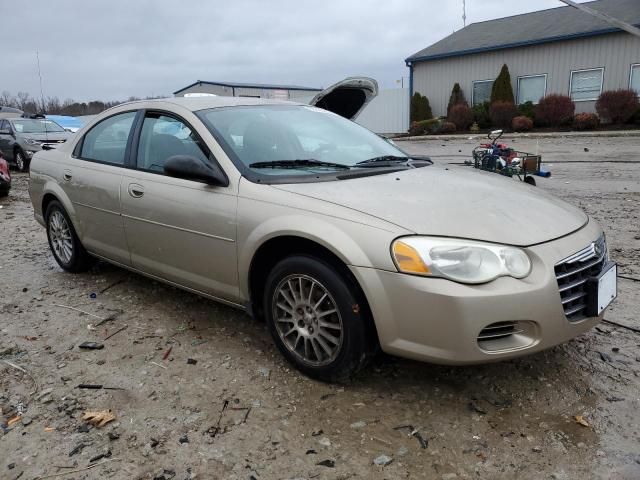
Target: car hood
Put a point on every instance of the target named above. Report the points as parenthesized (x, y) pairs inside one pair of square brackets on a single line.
[(453, 202), (348, 97)]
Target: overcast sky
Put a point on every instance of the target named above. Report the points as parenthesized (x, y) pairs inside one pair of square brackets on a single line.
[(113, 49)]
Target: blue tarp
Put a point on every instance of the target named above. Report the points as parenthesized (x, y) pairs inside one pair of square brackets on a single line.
[(65, 121)]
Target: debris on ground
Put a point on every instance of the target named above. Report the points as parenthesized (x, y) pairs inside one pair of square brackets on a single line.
[(91, 346), (99, 418), (325, 442), (414, 432), (581, 421), (167, 353), (327, 463), (383, 460)]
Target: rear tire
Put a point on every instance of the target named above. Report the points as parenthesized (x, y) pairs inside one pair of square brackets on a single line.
[(64, 242), (22, 163), (316, 319)]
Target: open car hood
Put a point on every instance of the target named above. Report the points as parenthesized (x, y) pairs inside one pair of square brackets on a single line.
[(348, 97)]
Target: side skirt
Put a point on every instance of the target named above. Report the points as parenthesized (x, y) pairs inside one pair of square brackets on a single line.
[(173, 284)]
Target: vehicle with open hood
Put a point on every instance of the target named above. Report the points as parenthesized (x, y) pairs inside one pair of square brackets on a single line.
[(340, 241)]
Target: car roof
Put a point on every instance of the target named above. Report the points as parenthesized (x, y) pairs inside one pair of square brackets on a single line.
[(202, 103)]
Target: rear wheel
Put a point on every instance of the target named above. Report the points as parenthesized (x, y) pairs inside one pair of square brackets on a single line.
[(64, 242), (315, 318), (21, 161)]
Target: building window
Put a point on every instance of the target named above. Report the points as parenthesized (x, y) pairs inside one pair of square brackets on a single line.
[(586, 85), (634, 80), (531, 88), (481, 91)]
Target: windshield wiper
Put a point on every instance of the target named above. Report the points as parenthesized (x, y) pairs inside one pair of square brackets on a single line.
[(391, 161), (384, 161), (298, 163)]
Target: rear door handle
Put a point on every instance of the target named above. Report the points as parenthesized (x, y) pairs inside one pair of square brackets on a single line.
[(135, 190), (67, 175)]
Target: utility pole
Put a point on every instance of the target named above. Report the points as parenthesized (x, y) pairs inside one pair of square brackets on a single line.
[(464, 12), (603, 16), (40, 76)]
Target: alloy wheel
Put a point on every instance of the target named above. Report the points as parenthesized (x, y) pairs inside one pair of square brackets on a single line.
[(20, 161), (307, 320), (60, 235)]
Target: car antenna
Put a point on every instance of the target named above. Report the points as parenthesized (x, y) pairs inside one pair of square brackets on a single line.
[(46, 132)]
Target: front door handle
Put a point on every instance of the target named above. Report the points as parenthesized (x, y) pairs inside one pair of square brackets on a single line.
[(67, 175), (135, 190)]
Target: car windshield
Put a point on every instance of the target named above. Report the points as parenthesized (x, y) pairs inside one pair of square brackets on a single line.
[(29, 125), (296, 139)]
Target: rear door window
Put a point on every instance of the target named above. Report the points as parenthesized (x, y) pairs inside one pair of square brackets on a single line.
[(107, 141), (164, 136)]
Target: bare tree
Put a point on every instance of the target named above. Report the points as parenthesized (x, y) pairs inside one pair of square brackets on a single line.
[(7, 100)]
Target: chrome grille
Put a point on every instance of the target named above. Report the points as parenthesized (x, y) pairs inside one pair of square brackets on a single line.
[(499, 330), (572, 274)]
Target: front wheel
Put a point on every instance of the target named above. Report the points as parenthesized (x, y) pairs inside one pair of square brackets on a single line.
[(63, 240), (316, 318), (21, 161)]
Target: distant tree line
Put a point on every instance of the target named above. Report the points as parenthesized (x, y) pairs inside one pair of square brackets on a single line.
[(53, 105)]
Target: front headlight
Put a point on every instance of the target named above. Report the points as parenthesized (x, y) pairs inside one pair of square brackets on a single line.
[(31, 141), (463, 261)]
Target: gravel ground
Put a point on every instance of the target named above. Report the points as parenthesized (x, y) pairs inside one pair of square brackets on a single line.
[(240, 412)]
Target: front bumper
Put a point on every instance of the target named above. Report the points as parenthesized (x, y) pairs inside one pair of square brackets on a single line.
[(440, 321)]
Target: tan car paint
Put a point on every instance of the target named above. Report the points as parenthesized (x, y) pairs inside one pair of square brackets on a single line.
[(183, 231), (441, 319), (463, 203), (208, 249)]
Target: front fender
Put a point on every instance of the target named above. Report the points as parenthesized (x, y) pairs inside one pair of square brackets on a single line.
[(343, 238)]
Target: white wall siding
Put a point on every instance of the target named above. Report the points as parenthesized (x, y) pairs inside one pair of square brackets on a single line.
[(388, 112), (615, 52)]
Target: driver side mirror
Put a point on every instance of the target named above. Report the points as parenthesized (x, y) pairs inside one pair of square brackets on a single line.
[(192, 168), (5, 132)]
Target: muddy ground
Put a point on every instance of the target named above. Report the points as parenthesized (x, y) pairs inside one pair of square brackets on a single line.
[(240, 412)]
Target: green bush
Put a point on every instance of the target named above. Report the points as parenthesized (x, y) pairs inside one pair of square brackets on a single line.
[(456, 98), (424, 127), (461, 115), (636, 117), (502, 90), (586, 121), (617, 106), (481, 115), (420, 108), (527, 109)]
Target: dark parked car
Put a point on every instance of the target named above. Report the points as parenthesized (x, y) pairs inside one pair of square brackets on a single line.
[(5, 177), (21, 137)]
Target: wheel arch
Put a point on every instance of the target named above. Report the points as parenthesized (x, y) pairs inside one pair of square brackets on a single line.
[(279, 247), (52, 191)]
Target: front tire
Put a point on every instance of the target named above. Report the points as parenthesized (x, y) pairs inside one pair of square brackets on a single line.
[(316, 318), (21, 161), (64, 242)]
